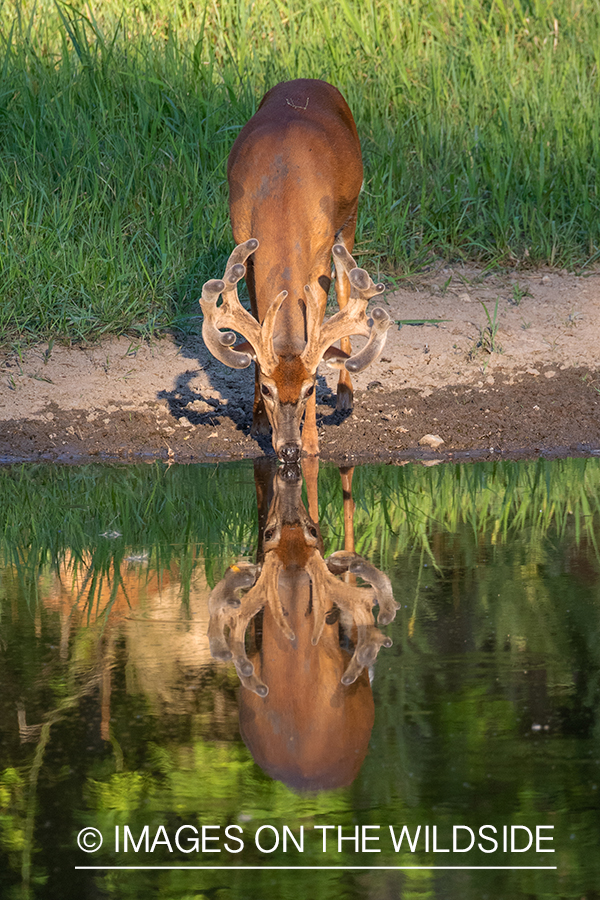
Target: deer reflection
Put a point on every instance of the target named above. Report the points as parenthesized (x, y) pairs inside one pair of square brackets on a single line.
[(307, 711)]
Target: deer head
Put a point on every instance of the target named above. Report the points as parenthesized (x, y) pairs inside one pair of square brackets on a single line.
[(287, 364)]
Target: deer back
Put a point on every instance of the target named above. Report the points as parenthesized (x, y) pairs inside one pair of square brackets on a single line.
[(295, 173)]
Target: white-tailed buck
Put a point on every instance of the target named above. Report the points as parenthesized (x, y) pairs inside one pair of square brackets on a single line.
[(295, 173)]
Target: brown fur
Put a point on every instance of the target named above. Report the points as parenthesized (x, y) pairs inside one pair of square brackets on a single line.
[(289, 375), (295, 173)]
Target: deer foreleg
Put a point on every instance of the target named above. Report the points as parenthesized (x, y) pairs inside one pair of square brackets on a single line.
[(260, 421), (310, 436)]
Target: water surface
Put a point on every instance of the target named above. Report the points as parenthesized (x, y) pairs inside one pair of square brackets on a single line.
[(483, 712)]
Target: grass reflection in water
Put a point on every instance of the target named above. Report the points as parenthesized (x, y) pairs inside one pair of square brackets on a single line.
[(112, 711)]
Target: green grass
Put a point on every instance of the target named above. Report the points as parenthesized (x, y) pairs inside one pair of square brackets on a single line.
[(95, 518), (100, 516), (478, 121)]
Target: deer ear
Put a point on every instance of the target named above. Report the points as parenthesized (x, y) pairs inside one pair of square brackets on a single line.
[(334, 357)]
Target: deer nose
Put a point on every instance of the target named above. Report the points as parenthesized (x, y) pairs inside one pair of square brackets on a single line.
[(289, 453), (290, 472)]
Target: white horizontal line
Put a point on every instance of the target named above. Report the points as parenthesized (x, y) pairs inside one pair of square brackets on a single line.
[(307, 868)]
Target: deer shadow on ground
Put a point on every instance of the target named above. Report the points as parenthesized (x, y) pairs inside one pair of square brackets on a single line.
[(207, 392)]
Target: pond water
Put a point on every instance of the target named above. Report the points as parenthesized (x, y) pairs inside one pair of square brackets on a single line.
[(189, 676)]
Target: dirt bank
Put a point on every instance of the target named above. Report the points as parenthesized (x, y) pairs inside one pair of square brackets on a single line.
[(521, 379)]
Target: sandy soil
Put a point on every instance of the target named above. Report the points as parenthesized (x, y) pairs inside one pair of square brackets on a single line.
[(533, 387)]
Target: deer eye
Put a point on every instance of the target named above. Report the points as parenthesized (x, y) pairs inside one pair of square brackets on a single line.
[(265, 390), (268, 534), (310, 391)]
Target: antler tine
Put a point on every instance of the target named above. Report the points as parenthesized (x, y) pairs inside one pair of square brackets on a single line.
[(227, 609), (356, 602), (346, 561), (377, 338), (363, 288), (241, 252), (224, 605), (231, 313), (382, 586), (369, 642), (253, 683), (342, 259), (272, 567), (243, 666), (361, 284), (268, 357), (313, 311), (352, 319), (327, 589)]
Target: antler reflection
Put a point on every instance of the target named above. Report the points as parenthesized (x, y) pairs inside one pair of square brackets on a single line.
[(290, 544)]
